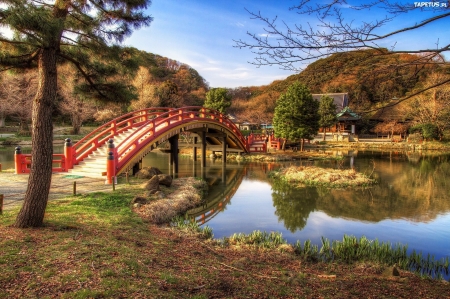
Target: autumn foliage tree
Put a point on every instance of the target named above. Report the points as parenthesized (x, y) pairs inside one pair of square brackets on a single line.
[(82, 33), (74, 104), (436, 111), (16, 94)]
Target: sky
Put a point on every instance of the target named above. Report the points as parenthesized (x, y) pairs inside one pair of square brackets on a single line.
[(201, 33)]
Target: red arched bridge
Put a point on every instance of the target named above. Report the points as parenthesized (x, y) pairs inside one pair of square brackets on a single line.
[(119, 145)]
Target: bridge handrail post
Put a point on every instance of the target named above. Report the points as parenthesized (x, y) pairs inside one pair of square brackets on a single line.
[(113, 128), (18, 157), (110, 163), (68, 153)]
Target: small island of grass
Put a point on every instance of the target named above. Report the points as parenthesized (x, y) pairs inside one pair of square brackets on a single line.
[(327, 177)]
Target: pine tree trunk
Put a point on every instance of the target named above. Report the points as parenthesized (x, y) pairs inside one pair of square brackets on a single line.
[(35, 201)]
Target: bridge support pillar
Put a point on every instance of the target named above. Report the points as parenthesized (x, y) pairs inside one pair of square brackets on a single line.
[(137, 167), (203, 149), (224, 150), (194, 170), (194, 150), (174, 152)]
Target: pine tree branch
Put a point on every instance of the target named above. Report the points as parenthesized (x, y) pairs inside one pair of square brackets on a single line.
[(85, 75)]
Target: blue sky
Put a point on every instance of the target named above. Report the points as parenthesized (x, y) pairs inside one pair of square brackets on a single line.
[(200, 33)]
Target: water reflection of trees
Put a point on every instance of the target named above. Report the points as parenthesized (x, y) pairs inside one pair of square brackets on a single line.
[(413, 189), (418, 191), (293, 206)]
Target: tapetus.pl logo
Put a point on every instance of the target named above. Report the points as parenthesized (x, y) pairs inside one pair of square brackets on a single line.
[(435, 4)]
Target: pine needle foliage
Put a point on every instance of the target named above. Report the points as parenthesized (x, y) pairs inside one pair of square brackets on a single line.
[(85, 34), (296, 114)]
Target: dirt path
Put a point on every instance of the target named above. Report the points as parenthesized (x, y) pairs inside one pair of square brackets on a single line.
[(13, 187)]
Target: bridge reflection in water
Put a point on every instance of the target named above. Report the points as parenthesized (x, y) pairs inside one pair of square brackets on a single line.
[(217, 199)]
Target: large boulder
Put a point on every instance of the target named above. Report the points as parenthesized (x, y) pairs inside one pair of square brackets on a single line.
[(152, 185), (165, 179), (147, 173)]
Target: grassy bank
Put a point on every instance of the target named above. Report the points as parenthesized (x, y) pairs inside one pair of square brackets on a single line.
[(327, 177), (95, 246)]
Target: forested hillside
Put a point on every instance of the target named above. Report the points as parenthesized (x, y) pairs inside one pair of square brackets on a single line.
[(155, 81), (371, 80)]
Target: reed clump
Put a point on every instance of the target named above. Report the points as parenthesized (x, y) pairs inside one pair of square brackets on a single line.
[(349, 250), (188, 225), (352, 249), (255, 238)]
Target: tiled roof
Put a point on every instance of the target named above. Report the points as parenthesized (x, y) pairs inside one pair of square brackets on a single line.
[(340, 99)]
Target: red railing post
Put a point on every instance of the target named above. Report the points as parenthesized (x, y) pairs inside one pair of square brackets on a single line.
[(110, 163), (18, 160), (68, 154)]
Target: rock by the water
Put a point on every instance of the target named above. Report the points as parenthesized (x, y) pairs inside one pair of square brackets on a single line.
[(165, 179), (152, 185), (395, 271), (147, 173), (139, 200), (391, 271), (160, 195)]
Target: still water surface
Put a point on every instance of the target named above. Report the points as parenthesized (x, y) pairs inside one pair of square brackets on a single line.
[(409, 205)]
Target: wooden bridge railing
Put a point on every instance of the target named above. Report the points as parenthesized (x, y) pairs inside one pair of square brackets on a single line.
[(147, 123)]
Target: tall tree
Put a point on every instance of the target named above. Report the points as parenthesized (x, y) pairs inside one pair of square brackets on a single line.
[(73, 104), (143, 82), (45, 33), (167, 94), (218, 98), (437, 108), (296, 115), (17, 92), (341, 26), (327, 113)]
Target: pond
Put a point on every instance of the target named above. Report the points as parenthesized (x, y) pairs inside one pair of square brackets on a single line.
[(409, 205)]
